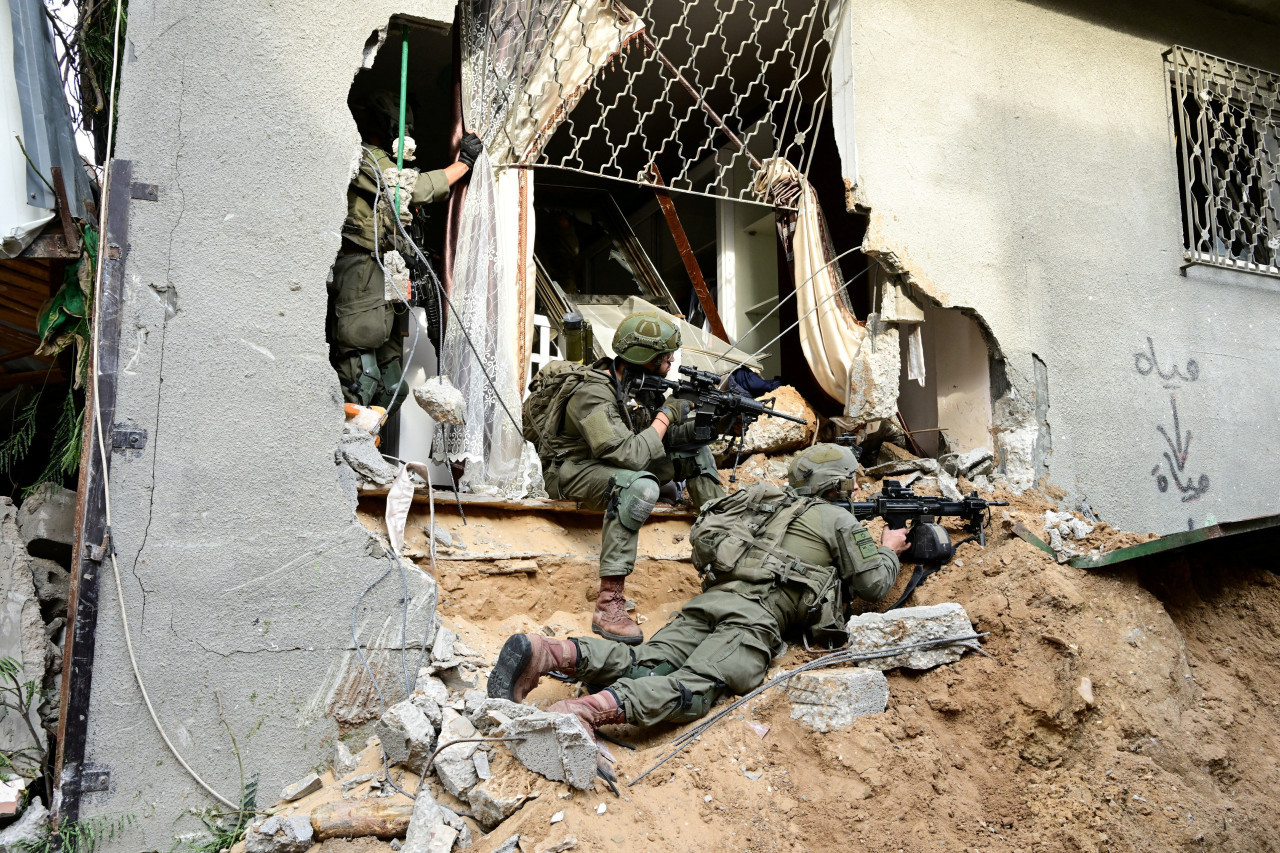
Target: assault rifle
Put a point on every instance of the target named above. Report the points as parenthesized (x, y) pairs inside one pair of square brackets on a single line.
[(713, 406), (930, 544)]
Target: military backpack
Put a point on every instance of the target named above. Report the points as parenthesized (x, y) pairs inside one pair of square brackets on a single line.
[(544, 407)]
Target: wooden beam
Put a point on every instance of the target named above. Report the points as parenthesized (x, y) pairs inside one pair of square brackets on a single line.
[(686, 255)]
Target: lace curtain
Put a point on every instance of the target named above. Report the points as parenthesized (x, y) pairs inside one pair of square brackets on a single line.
[(525, 63)]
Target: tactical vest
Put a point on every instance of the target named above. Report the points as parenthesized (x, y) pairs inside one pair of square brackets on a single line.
[(544, 407), (736, 538)]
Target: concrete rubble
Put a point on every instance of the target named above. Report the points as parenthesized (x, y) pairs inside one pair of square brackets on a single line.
[(279, 835), (869, 632), (24, 636), (28, 831), (301, 788), (556, 746), (357, 449), (427, 815), (1063, 529), (47, 522), (454, 766), (831, 699), (442, 401), (407, 735), (343, 761), (775, 435)]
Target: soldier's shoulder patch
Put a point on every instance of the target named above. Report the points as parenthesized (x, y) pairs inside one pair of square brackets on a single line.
[(866, 545)]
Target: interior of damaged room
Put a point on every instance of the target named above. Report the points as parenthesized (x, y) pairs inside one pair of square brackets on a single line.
[(726, 533)]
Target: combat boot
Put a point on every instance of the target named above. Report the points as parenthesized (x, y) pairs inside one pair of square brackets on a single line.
[(524, 659), (594, 709), (610, 619)]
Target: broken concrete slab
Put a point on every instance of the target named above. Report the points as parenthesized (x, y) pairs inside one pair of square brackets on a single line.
[(949, 487), (481, 762), (427, 815), (47, 522), (279, 835), (903, 466), (454, 764), (356, 447), (831, 699), (569, 842), (407, 735), (455, 820), (301, 788), (28, 831), (869, 632), (442, 650), (458, 775), (556, 746), (509, 787)]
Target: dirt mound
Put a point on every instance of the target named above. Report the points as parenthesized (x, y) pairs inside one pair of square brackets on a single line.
[(1116, 712)]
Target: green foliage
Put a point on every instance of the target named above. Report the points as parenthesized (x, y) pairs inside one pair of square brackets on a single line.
[(80, 836), (32, 761), (227, 829), (64, 450)]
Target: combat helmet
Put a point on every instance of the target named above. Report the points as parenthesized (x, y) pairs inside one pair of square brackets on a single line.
[(383, 110), (822, 467), (645, 335)]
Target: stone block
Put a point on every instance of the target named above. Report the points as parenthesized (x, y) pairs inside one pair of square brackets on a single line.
[(279, 835), (28, 831), (407, 735), (830, 699), (47, 522), (427, 815), (458, 775), (301, 788), (869, 632), (976, 462), (357, 449), (556, 746)]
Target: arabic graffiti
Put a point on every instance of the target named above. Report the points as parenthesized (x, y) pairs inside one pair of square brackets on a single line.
[(1176, 460), (1145, 363), (1171, 469)]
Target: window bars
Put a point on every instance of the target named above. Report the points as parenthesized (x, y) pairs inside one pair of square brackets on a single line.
[(706, 91), (1226, 125)]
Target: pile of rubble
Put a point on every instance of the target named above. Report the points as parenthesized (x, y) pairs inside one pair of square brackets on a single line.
[(35, 559)]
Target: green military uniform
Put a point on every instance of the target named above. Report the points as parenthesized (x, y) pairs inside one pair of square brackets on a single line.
[(724, 638), (361, 324), (609, 458)]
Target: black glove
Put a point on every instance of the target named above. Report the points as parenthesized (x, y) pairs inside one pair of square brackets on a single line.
[(469, 149), (676, 410)]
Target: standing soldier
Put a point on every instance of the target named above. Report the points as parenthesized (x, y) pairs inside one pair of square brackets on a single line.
[(361, 322), (773, 561), (613, 452)]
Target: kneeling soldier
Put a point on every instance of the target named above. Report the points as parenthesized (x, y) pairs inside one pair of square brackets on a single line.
[(773, 561)]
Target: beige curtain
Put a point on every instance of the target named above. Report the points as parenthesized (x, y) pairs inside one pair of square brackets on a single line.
[(830, 336)]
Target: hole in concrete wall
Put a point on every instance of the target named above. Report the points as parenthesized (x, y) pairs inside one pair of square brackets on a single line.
[(951, 410), (429, 101)]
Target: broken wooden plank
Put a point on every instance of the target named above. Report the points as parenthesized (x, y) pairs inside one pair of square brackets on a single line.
[(361, 819), (686, 255)]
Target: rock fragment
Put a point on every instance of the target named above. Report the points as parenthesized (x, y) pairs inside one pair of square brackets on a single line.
[(301, 788), (343, 761), (511, 845), (869, 632), (279, 835), (357, 449), (454, 765), (500, 796), (556, 746), (407, 735), (427, 815), (442, 401), (831, 699)]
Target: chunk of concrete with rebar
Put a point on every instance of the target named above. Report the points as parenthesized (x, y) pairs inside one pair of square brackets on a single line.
[(832, 699), (906, 626), (407, 735), (442, 401), (556, 746)]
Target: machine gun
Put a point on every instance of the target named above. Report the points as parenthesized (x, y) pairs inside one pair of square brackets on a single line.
[(713, 406), (930, 544)]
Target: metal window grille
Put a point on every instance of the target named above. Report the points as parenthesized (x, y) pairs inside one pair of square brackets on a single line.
[(1226, 125), (705, 94)]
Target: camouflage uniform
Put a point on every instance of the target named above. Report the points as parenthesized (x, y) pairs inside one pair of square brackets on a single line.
[(363, 347), (609, 458), (724, 638)]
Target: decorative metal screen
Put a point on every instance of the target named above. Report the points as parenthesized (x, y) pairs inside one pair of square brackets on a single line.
[(1226, 124), (705, 92)]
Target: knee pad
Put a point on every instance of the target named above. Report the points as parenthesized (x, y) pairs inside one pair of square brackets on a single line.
[(634, 496)]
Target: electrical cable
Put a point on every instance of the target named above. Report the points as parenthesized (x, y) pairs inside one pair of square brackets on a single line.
[(97, 417), (834, 293)]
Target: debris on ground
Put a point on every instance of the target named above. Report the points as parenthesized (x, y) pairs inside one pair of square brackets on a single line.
[(557, 746), (832, 699), (277, 834), (869, 632), (407, 736)]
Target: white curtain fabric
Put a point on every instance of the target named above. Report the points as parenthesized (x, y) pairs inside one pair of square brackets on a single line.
[(830, 336), (525, 63)]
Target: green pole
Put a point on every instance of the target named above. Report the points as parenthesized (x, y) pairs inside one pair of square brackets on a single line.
[(404, 89)]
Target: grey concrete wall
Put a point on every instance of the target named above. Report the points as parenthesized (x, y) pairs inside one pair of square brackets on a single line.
[(241, 559), (1017, 159)]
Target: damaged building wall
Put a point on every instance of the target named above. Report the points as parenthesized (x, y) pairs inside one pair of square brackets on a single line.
[(1016, 159), (240, 556)]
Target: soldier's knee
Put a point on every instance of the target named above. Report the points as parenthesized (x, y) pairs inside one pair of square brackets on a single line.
[(634, 497)]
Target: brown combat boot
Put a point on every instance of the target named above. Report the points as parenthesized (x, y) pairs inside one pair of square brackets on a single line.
[(610, 619), (594, 709), (524, 659)]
